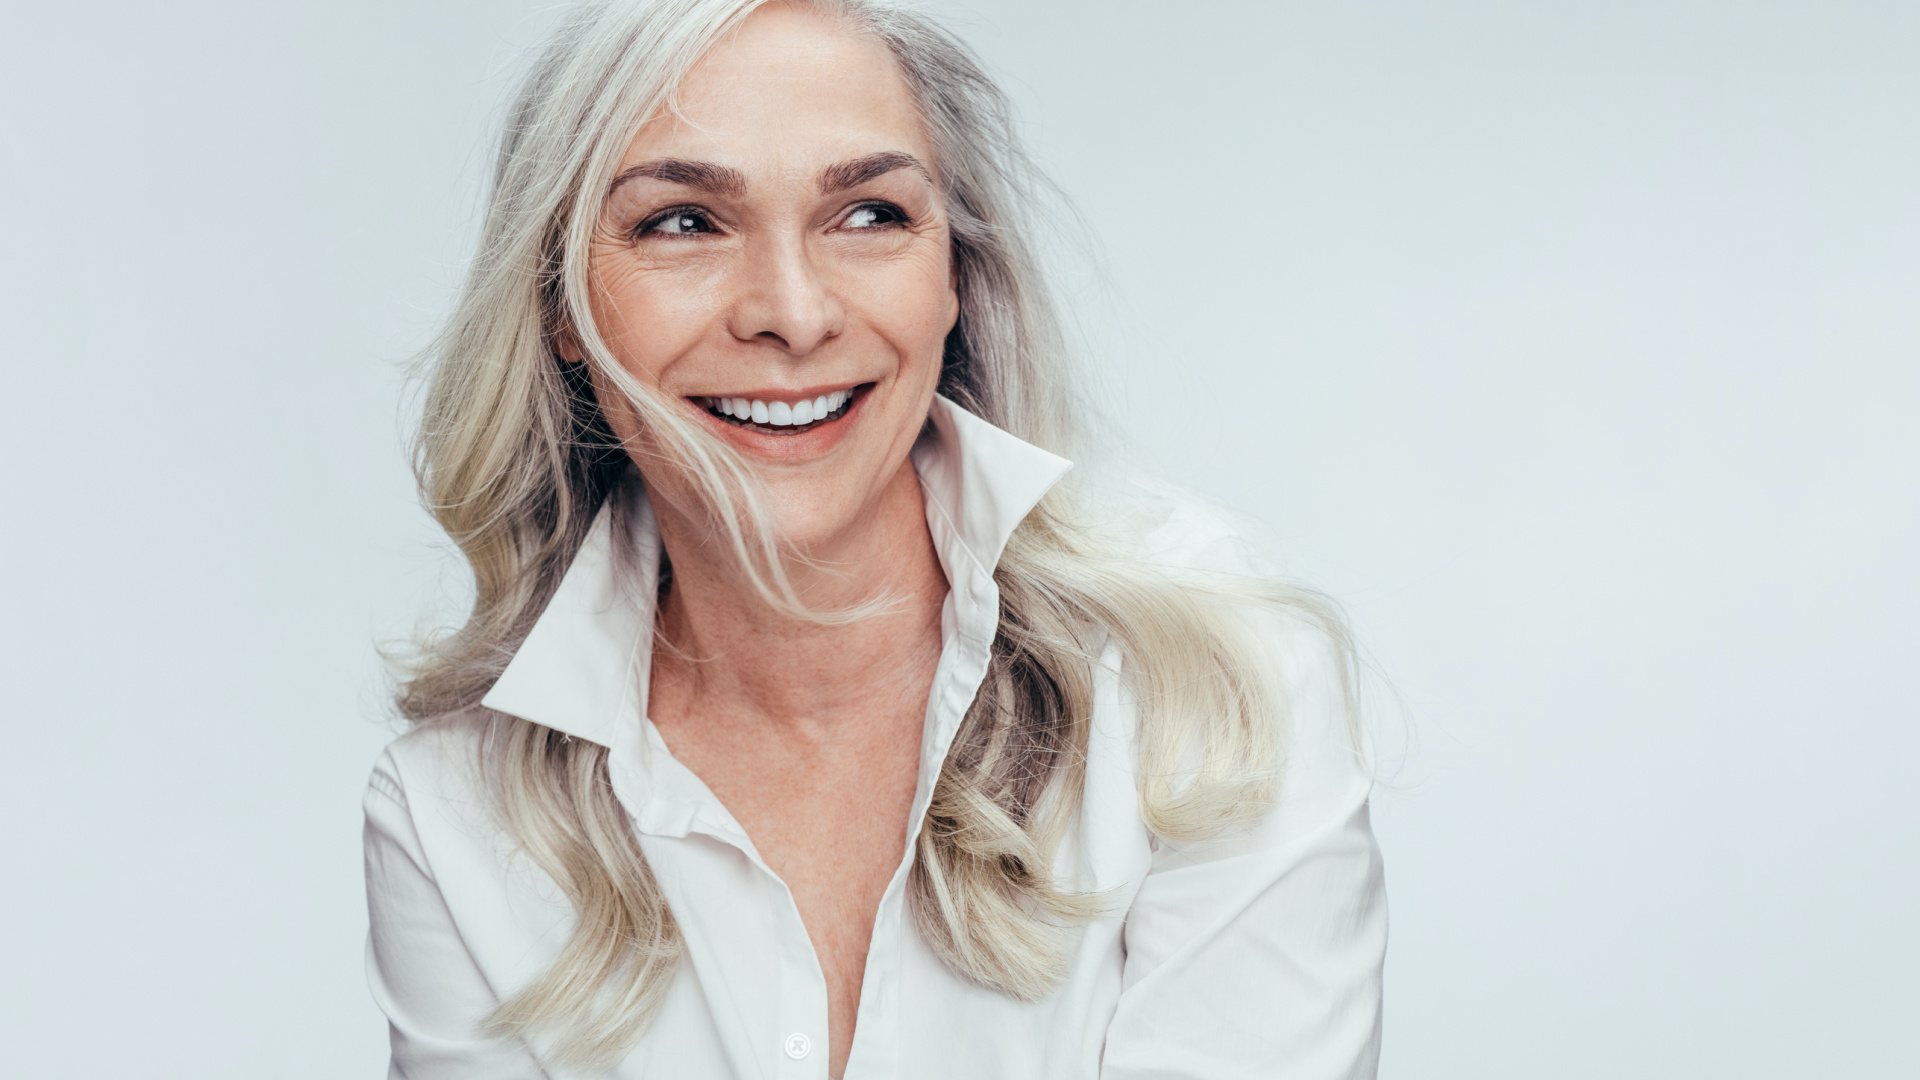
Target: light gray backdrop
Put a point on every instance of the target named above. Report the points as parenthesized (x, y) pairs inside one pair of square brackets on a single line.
[(1573, 346)]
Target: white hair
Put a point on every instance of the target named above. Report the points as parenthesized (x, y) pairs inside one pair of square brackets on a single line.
[(515, 457)]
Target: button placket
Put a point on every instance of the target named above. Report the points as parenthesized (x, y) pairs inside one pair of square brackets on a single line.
[(803, 992)]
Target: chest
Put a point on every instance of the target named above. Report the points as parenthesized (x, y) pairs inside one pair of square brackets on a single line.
[(751, 982), (829, 817), (825, 808), (814, 939)]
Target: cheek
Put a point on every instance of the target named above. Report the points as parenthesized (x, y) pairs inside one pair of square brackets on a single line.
[(912, 303), (648, 315)]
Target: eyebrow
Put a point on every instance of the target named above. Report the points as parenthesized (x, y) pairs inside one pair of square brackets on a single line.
[(704, 175), (860, 170), (722, 180)]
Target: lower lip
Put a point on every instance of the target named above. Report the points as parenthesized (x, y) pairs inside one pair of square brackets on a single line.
[(771, 442)]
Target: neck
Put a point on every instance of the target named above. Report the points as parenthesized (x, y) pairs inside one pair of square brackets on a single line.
[(724, 649)]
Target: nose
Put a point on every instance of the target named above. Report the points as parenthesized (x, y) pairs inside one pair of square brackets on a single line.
[(783, 299)]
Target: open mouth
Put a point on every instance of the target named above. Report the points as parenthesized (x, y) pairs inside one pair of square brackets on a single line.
[(782, 417)]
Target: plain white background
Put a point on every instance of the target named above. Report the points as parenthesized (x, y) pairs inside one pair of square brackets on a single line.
[(1573, 346)]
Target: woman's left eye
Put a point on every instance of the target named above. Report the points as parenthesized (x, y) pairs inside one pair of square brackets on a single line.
[(875, 215)]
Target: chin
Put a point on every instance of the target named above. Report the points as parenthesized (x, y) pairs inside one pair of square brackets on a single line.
[(812, 516)]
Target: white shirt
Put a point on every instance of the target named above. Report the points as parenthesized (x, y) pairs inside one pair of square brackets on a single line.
[(1257, 955)]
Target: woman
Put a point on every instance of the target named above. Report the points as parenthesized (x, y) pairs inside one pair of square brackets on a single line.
[(807, 723)]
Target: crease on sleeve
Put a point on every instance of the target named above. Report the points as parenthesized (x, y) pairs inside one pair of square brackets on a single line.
[(1260, 955), (421, 973), (1262, 964)]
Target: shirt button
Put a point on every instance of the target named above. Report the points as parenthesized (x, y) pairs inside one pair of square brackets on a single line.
[(798, 1045)]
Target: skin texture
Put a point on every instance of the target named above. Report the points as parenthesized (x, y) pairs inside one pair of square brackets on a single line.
[(779, 280)]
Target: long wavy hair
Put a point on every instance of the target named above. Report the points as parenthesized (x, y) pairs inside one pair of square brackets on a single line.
[(515, 458)]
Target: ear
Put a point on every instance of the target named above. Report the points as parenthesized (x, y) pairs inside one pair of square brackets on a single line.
[(953, 299), (562, 340), (953, 288)]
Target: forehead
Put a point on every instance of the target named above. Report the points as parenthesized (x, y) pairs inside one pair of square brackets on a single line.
[(793, 90)]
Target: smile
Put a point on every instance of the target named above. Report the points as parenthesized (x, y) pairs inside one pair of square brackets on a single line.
[(780, 417)]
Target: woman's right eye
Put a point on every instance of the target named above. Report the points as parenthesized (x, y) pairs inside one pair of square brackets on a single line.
[(681, 222)]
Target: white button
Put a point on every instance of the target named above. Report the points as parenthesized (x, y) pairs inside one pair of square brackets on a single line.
[(798, 1045)]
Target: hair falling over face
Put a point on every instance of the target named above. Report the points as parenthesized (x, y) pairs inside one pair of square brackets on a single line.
[(515, 460)]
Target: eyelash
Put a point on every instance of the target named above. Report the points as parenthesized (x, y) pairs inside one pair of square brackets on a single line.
[(900, 217), (646, 228)]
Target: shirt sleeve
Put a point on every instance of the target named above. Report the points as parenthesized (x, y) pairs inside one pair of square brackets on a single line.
[(1260, 954), (420, 970)]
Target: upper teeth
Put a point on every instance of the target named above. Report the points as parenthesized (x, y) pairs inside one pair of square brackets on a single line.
[(780, 413)]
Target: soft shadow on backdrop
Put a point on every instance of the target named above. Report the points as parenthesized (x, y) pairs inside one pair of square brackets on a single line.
[(1575, 347)]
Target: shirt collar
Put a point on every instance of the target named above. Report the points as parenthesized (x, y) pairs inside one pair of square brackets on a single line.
[(582, 669)]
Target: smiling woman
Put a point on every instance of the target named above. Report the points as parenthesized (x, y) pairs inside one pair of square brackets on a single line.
[(808, 722)]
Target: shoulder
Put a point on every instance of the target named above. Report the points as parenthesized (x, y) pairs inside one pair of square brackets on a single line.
[(455, 917), (1296, 636), (433, 815), (432, 755), (1168, 526), (1160, 526), (433, 777), (1164, 527)]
